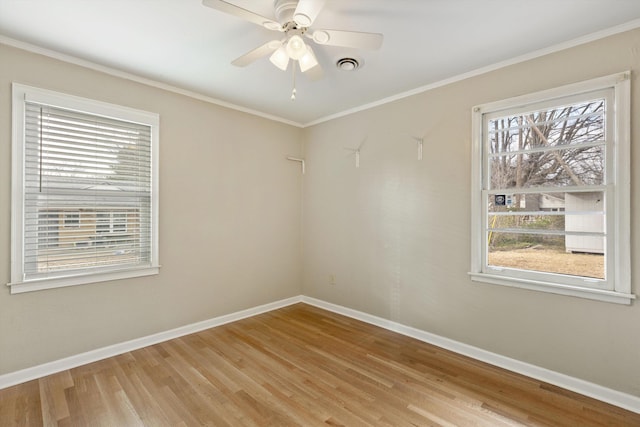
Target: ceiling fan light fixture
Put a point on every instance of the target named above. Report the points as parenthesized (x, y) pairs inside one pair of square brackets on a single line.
[(280, 58), (308, 60), (296, 48)]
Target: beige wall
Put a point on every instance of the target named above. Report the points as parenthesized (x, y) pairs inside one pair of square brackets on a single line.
[(230, 212), (395, 233)]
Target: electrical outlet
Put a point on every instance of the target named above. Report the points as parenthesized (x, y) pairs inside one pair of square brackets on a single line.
[(332, 279)]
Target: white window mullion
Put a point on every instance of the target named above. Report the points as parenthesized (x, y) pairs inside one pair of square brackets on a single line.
[(545, 149)]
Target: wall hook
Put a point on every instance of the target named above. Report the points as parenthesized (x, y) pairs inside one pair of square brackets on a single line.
[(297, 159)]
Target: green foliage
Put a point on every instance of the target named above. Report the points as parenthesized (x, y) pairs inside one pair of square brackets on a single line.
[(502, 241)]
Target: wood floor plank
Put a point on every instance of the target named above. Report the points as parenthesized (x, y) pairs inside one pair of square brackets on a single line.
[(298, 366)]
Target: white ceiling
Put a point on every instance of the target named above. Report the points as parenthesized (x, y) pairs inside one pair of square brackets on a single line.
[(189, 46)]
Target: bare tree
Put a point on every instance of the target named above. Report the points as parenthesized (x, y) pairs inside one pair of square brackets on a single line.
[(548, 148), (552, 148)]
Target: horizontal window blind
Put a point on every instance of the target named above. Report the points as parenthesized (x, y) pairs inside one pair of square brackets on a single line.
[(87, 204)]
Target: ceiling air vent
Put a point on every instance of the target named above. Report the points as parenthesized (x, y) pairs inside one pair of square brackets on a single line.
[(347, 64)]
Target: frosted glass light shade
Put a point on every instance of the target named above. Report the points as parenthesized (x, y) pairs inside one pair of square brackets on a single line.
[(296, 47), (308, 60), (280, 58)]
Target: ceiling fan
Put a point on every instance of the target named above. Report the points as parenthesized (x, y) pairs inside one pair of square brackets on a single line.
[(294, 18)]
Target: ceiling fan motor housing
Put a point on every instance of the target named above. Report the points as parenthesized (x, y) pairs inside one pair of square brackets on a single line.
[(284, 10)]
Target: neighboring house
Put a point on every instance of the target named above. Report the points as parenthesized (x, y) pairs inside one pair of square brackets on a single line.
[(543, 202), (587, 217), (88, 227), (584, 213), (552, 202), (76, 238), (590, 218)]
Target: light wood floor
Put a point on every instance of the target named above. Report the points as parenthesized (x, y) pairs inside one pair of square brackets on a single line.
[(297, 366)]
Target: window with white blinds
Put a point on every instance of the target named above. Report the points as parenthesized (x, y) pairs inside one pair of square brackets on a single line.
[(86, 184)]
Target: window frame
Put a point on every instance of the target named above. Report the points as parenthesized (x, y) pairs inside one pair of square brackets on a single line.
[(20, 95), (71, 219), (617, 285), (113, 222)]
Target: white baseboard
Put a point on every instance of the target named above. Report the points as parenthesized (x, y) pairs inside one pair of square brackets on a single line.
[(28, 374), (622, 400), (617, 398)]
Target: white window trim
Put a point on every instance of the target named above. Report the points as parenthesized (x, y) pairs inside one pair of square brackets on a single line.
[(621, 263), (20, 93)]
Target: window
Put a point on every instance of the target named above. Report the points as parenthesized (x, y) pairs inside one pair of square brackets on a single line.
[(116, 221), (550, 191), (72, 220), (85, 191)]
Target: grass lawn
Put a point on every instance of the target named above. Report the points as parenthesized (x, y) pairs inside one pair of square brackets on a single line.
[(550, 260)]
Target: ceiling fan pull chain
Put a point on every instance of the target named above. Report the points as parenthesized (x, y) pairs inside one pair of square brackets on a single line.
[(293, 92)]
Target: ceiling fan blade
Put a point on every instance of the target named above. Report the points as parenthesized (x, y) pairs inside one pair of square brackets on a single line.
[(257, 53), (307, 12), (354, 39), (245, 14)]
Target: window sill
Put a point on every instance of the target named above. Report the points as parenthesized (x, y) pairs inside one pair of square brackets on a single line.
[(555, 288), (60, 282)]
